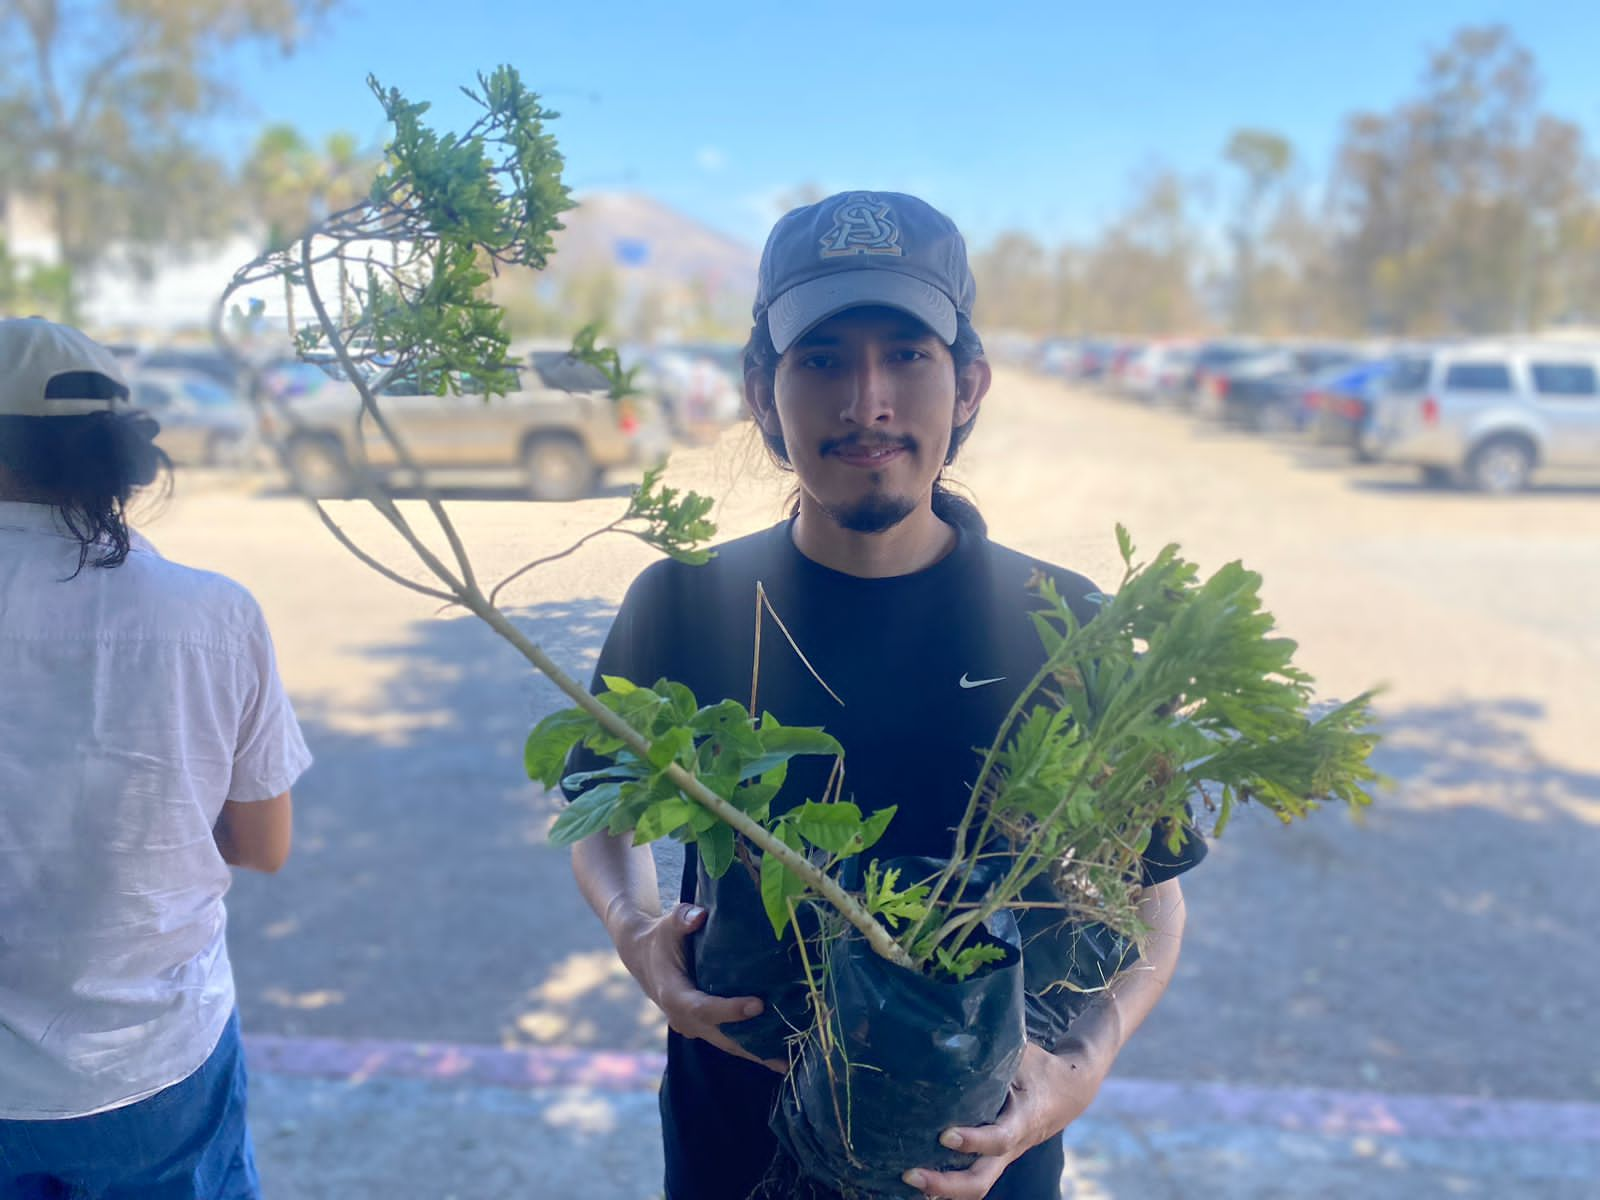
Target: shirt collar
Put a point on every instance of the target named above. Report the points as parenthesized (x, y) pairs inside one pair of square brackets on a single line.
[(20, 516)]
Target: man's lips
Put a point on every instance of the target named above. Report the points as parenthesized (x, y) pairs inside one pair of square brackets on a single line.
[(870, 455)]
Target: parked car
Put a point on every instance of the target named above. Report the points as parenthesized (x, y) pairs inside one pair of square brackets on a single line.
[(1209, 358), (1491, 413), (1156, 371), (699, 387), (202, 360), (202, 422), (1262, 391), (558, 425), (1338, 405)]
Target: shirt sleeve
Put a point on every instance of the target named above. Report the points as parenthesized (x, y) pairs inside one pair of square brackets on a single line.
[(270, 753), (1162, 863)]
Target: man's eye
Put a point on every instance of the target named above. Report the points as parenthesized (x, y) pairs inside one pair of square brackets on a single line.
[(908, 355), (817, 362)]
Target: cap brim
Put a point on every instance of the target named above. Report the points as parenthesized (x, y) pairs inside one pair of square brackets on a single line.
[(806, 305)]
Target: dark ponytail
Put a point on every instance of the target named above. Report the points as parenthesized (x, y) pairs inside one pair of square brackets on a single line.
[(88, 467), (761, 357)]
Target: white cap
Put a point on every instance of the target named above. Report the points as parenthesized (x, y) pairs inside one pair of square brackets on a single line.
[(50, 370)]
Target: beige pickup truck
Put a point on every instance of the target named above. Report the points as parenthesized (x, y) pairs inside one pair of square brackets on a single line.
[(559, 428)]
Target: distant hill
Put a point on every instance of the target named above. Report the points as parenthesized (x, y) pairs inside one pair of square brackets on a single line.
[(651, 246)]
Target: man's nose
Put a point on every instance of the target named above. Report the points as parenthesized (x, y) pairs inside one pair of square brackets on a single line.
[(868, 399)]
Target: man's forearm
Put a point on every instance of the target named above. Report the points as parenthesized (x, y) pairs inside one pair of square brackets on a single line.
[(1104, 1027), (617, 879)]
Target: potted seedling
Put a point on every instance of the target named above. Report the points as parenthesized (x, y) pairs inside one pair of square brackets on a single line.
[(1177, 693)]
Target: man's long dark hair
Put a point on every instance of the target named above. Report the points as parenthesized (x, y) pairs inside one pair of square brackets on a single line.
[(87, 467), (761, 356)]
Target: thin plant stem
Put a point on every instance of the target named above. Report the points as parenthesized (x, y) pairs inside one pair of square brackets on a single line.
[(349, 544), (550, 558)]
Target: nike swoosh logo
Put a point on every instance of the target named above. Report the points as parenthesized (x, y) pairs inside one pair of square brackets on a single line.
[(972, 683)]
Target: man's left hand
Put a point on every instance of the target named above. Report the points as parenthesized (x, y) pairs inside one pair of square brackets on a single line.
[(1049, 1093)]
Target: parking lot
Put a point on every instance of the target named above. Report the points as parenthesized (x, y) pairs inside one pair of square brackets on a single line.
[(1441, 947)]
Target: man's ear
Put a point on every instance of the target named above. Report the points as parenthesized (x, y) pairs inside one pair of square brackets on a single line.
[(972, 385), (759, 398)]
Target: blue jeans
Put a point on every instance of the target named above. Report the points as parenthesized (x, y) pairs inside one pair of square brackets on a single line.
[(187, 1142)]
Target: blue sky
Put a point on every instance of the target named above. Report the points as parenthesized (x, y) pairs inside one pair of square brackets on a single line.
[(1005, 114)]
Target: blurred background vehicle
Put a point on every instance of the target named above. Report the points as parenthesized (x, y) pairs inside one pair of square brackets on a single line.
[(1209, 359), (558, 427), (699, 385), (1490, 413), (1262, 390), (1338, 404), (1154, 372), (200, 360), (203, 423)]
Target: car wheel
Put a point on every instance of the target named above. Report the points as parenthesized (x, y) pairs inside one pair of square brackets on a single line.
[(318, 468), (557, 468), (1501, 465)]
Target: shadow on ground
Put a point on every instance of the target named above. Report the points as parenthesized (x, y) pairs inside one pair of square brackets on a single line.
[(1438, 944), (422, 900)]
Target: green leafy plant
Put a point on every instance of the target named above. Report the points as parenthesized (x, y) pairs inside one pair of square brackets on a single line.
[(1176, 692)]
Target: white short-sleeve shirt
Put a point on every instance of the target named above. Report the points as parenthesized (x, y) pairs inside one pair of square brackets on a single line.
[(134, 701)]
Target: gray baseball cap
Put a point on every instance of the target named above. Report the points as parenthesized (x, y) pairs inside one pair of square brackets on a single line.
[(50, 370), (863, 248)]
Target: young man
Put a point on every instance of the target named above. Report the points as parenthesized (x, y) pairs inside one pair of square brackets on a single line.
[(146, 743), (865, 376)]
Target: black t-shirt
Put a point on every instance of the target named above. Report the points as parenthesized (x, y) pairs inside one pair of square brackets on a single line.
[(924, 668)]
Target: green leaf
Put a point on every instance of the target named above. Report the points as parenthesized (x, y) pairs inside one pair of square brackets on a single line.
[(832, 828), (874, 827), (884, 900), (1124, 545), (719, 718), (662, 818), (669, 747), (969, 961), (619, 685), (756, 798), (587, 814), (716, 849), (545, 753), (779, 885), (790, 741), (680, 701), (1224, 814)]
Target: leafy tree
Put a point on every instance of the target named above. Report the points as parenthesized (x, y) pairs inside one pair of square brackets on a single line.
[(1263, 159), (1466, 208), (100, 103)]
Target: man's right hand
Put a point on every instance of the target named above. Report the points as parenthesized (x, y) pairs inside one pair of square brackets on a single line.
[(652, 948)]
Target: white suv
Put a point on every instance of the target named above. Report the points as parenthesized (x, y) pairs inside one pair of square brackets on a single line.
[(1490, 413)]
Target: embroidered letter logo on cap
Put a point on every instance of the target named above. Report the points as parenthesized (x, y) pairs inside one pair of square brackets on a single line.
[(862, 224)]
